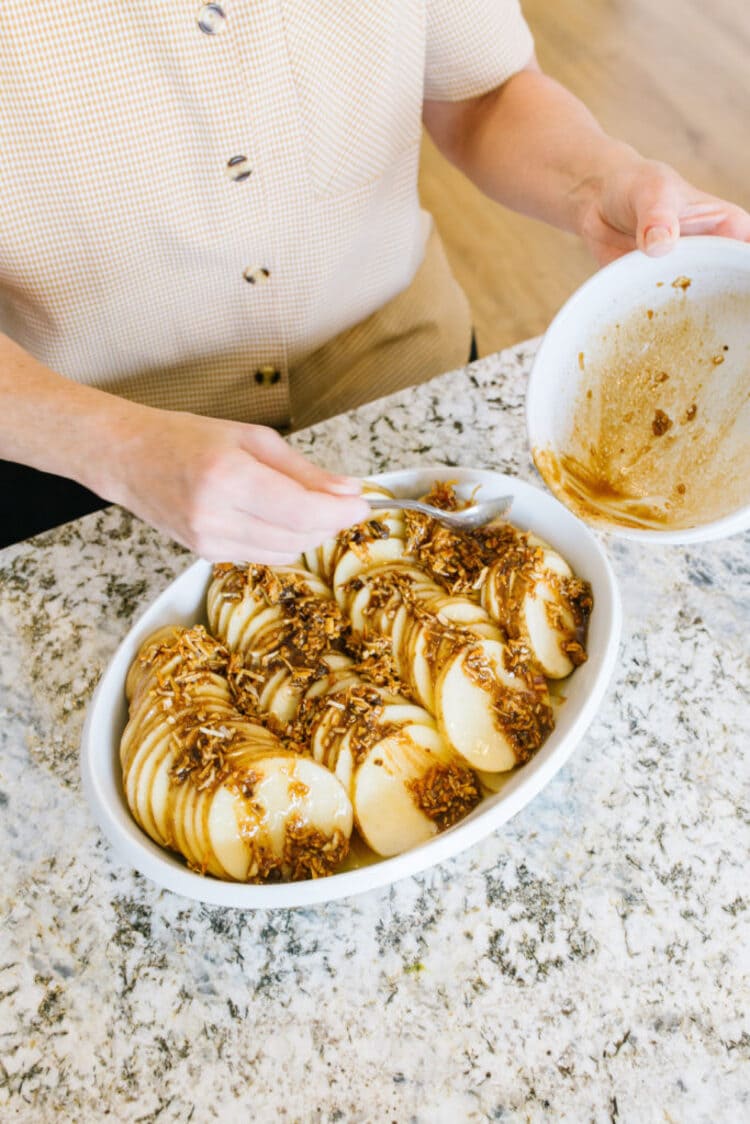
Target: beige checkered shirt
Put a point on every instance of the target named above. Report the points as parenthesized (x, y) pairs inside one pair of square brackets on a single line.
[(194, 199)]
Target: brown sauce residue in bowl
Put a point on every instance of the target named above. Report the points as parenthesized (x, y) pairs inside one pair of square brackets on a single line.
[(661, 431)]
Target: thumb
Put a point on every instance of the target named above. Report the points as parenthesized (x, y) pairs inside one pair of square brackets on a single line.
[(657, 219)]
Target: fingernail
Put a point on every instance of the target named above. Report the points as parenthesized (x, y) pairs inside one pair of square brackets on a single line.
[(658, 238), (345, 485)]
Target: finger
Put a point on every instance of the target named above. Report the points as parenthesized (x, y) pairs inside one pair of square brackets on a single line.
[(715, 216), (232, 552), (250, 532), (274, 451), (276, 498)]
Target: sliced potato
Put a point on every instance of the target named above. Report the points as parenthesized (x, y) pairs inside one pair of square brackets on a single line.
[(288, 792), (458, 611), (533, 608), (425, 627), (178, 798), (352, 563), (544, 638), (244, 629), (201, 814), (398, 625), (160, 785), (283, 702), (232, 838), (405, 714), (485, 630), (466, 718), (414, 659), (358, 603), (138, 776), (373, 488), (387, 818)]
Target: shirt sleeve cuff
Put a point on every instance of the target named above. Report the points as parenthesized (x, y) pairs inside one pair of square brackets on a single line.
[(473, 46)]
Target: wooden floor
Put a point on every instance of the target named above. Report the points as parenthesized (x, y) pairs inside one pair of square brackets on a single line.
[(669, 76)]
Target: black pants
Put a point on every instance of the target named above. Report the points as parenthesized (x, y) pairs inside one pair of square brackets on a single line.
[(32, 501)]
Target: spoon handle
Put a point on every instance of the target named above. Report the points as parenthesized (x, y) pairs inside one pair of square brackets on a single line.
[(377, 503)]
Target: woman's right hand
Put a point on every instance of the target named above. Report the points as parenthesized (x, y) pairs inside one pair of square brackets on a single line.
[(226, 490)]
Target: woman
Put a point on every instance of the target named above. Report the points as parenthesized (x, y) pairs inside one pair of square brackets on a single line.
[(210, 231)]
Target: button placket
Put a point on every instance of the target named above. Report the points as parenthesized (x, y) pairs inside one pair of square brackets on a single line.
[(269, 377)]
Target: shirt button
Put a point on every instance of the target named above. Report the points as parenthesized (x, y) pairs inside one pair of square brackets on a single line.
[(267, 375), (211, 19), (238, 169), (256, 274)]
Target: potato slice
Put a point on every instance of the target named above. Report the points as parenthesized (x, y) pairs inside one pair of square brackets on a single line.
[(220, 609), (340, 760), (398, 625), (356, 609), (534, 608), (325, 740), (457, 611), (493, 782), (139, 669), (368, 555), (179, 822), (393, 521), (388, 819), (310, 582), (249, 835), (230, 838), (464, 711), (229, 619), (138, 779), (417, 667), (251, 626), (387, 814), (373, 488), (341, 676), (322, 559), (405, 714), (283, 702), (545, 640), (539, 615), (201, 810), (160, 785), (485, 630)]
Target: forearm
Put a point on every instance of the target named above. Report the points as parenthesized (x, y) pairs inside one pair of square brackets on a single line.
[(530, 145), (224, 489), (57, 425)]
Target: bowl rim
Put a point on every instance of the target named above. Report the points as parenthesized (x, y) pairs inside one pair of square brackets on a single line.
[(687, 246), (133, 846)]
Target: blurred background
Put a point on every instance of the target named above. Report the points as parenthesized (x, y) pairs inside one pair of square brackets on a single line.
[(671, 77)]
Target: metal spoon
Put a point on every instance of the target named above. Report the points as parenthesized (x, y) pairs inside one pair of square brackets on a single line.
[(464, 520)]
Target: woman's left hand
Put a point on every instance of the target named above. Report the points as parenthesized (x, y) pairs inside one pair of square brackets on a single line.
[(646, 205)]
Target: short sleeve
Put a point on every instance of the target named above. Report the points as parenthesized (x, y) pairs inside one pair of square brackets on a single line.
[(473, 46)]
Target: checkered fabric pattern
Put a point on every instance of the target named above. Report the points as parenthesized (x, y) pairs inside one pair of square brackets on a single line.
[(196, 199)]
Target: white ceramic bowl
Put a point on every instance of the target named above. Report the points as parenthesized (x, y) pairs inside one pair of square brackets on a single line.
[(685, 325), (183, 603)]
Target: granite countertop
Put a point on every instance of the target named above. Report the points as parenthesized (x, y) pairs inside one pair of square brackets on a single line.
[(590, 961)]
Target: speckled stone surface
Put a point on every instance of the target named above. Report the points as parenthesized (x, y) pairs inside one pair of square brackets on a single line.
[(588, 962)]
